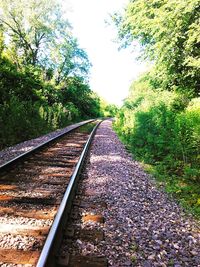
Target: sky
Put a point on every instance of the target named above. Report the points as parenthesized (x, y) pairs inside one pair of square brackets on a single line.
[(112, 70)]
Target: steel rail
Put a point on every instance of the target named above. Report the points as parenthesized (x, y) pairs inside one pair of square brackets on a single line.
[(45, 143), (65, 205)]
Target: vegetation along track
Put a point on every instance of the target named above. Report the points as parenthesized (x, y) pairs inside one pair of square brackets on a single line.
[(33, 196)]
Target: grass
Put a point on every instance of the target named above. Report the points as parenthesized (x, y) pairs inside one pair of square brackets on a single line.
[(182, 183), (184, 190), (87, 128)]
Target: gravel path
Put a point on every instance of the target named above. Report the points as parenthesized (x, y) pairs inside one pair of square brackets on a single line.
[(143, 226), (14, 151)]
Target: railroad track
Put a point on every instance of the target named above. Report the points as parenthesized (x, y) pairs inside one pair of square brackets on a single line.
[(35, 198)]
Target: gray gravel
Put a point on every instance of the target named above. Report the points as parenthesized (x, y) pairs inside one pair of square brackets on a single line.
[(14, 151), (143, 226), (14, 265), (9, 241), (24, 221)]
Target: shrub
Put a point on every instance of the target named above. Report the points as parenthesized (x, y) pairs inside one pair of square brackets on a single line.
[(156, 131)]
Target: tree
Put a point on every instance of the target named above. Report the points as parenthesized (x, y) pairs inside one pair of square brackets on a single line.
[(39, 36), (33, 28), (69, 60), (1, 40), (168, 32), (77, 92), (43, 71)]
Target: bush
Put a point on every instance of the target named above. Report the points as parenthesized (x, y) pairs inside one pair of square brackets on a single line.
[(19, 121), (162, 129), (156, 131), (30, 106), (22, 120)]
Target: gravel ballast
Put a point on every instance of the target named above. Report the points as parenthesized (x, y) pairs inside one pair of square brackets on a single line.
[(21, 148), (143, 225)]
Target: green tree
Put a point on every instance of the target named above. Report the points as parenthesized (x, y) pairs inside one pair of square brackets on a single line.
[(169, 33), (80, 94), (69, 60), (1, 40), (43, 71), (33, 28)]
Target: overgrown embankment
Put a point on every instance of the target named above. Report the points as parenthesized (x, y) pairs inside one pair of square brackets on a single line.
[(43, 72), (160, 119), (162, 129)]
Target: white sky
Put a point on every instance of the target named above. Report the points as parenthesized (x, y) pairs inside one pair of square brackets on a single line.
[(112, 70)]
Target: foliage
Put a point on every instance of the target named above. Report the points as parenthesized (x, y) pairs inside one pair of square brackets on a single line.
[(185, 190), (19, 120), (30, 27), (108, 110), (30, 107), (169, 33), (162, 128), (160, 119), (38, 34), (80, 94), (111, 110), (43, 71)]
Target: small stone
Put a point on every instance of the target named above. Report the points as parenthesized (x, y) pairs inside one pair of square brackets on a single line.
[(176, 246), (194, 253), (69, 232), (151, 257), (63, 261), (127, 263), (147, 264), (93, 218), (79, 241)]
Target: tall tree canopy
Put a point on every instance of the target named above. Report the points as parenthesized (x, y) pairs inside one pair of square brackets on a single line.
[(37, 34), (169, 33), (43, 71), (32, 27)]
